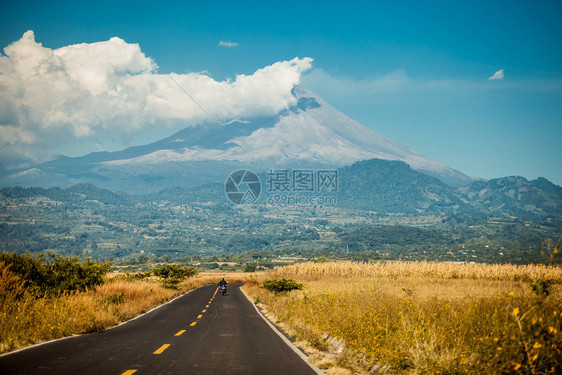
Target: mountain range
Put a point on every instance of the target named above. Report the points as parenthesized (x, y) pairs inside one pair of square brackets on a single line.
[(383, 186), (311, 133), (374, 172)]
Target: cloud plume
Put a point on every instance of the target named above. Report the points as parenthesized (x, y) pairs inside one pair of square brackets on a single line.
[(223, 43), (497, 76), (111, 89)]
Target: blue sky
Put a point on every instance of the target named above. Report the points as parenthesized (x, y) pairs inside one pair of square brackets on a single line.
[(441, 103)]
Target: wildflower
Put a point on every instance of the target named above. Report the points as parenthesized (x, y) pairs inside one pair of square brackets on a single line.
[(516, 311), (552, 329), (517, 366), (510, 294), (537, 345), (534, 358)]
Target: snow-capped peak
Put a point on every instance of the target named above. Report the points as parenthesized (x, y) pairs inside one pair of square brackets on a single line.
[(310, 132)]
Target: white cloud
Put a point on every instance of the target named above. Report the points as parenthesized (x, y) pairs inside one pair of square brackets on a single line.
[(497, 75), (112, 90), (223, 43)]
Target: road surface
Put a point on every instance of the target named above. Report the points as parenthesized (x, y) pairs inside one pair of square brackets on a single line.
[(202, 332)]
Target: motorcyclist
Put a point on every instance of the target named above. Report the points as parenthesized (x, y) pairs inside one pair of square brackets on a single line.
[(222, 283)]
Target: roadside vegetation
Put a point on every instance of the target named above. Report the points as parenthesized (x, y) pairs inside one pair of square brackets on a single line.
[(420, 317), (44, 298)]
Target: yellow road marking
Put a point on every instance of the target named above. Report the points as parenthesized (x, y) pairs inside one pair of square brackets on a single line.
[(199, 316), (207, 306), (192, 324), (204, 311), (161, 349), (180, 332), (129, 372)]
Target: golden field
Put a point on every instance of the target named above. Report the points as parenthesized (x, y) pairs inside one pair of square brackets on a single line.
[(421, 317), (26, 318)]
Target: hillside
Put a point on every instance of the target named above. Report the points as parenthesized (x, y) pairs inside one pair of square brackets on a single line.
[(392, 186), (385, 210), (515, 196)]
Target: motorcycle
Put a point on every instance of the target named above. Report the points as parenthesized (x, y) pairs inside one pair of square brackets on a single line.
[(223, 289)]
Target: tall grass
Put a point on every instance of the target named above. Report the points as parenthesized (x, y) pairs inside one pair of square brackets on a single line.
[(425, 269), (424, 317)]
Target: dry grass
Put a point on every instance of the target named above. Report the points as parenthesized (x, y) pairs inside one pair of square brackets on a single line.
[(400, 269), (26, 318), (423, 317)]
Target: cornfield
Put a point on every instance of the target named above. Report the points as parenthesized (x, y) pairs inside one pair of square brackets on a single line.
[(423, 317)]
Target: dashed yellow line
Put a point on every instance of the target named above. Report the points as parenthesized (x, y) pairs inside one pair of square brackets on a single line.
[(161, 349), (204, 311), (192, 324), (207, 306), (199, 316), (180, 333), (129, 372)]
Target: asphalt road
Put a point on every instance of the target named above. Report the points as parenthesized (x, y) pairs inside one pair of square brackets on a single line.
[(198, 333)]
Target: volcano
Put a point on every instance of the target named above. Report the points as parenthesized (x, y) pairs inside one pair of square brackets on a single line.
[(311, 133)]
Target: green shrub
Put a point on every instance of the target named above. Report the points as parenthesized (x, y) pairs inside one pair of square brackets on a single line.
[(281, 285), (137, 276), (321, 259), (541, 287), (250, 268), (57, 273), (171, 271), (171, 283)]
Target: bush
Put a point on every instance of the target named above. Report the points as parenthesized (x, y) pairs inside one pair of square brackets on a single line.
[(250, 268), (171, 283), (171, 271), (321, 259), (56, 274), (137, 276), (281, 285), (541, 287)]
